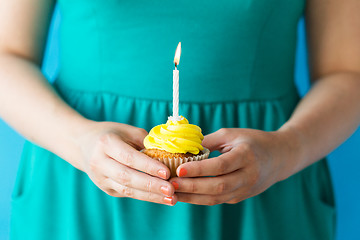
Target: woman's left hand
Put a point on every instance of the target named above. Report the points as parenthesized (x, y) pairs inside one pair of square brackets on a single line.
[(251, 162)]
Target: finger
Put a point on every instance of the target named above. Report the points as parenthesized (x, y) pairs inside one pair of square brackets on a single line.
[(237, 200), (118, 190), (202, 199), (243, 196), (210, 185), (135, 137), (244, 191), (120, 151), (223, 164), (216, 140), (134, 179)]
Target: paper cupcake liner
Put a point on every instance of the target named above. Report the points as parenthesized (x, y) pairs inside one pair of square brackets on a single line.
[(175, 162)]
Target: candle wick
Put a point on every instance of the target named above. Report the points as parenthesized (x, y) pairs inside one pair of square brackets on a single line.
[(175, 66)]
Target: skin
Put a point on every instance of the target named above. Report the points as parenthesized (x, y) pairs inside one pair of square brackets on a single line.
[(252, 160)]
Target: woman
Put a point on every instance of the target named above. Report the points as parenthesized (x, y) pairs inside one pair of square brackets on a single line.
[(81, 172)]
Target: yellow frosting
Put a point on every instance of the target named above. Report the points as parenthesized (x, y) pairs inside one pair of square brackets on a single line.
[(175, 137)]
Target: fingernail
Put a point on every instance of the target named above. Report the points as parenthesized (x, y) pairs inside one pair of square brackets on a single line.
[(176, 185), (162, 174), (182, 172), (169, 200), (165, 190)]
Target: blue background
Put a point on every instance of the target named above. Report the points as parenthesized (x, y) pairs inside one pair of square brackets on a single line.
[(344, 164)]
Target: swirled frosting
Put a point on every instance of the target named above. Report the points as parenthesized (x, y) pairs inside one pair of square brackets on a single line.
[(175, 137)]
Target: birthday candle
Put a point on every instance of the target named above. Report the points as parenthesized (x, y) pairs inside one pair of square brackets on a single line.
[(176, 84)]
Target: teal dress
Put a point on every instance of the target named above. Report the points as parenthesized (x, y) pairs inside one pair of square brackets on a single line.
[(236, 70)]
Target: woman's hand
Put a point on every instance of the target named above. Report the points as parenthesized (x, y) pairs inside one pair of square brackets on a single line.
[(112, 161), (251, 162)]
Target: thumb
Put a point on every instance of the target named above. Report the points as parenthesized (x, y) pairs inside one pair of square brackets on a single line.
[(136, 139), (215, 140)]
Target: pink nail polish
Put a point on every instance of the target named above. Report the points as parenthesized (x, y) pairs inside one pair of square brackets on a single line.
[(169, 200), (165, 190), (176, 185), (162, 174), (182, 172)]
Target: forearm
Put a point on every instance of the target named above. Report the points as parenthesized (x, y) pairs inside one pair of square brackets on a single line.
[(325, 117), (30, 105)]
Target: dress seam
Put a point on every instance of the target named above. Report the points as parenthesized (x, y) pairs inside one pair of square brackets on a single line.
[(278, 98)]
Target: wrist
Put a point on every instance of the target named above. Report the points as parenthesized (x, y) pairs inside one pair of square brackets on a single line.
[(292, 143), (69, 147)]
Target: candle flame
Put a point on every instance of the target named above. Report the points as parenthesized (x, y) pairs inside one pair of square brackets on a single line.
[(177, 55)]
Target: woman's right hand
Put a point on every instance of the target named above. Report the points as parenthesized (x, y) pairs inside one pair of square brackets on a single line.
[(112, 160)]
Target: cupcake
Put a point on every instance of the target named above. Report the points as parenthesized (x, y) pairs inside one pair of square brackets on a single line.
[(175, 143)]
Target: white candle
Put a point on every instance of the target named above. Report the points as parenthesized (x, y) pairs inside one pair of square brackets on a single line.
[(176, 84)]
